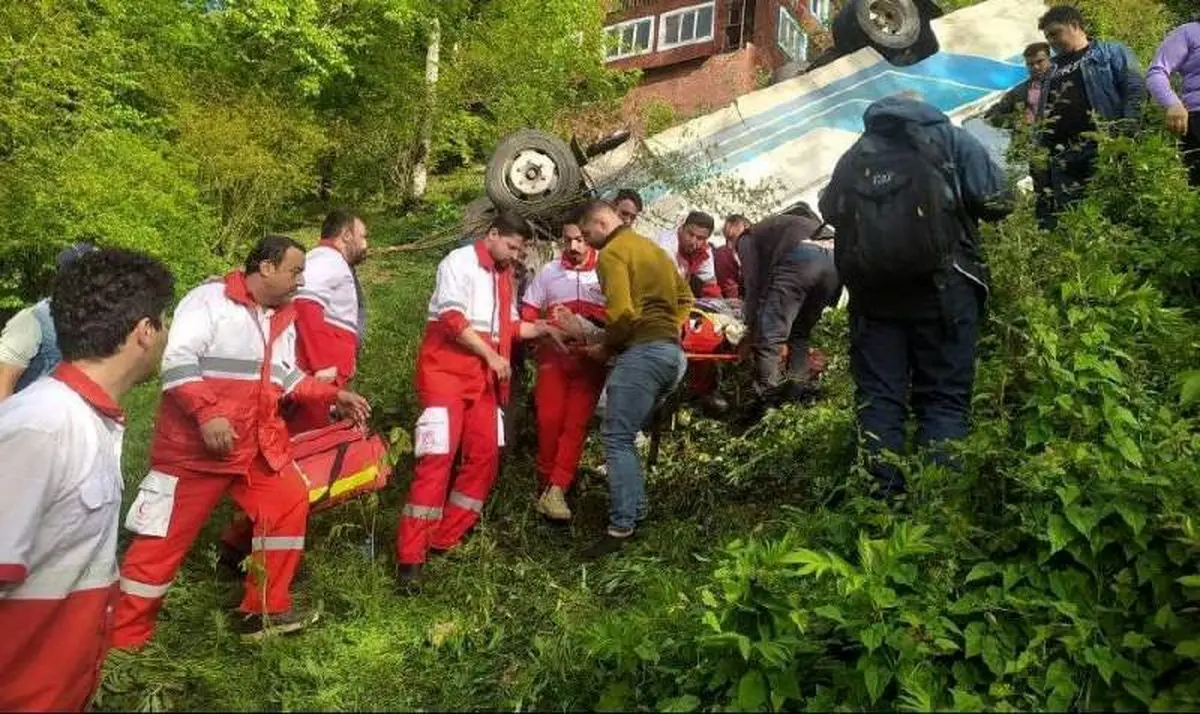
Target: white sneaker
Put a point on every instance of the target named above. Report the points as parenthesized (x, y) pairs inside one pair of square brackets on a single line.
[(553, 505)]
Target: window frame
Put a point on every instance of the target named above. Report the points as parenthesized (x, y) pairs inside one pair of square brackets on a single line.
[(663, 45), (619, 28), (819, 9), (801, 45)]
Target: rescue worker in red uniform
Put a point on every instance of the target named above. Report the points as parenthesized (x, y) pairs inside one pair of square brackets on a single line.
[(331, 314), (330, 325), (568, 383), (230, 359), (462, 377), (694, 259), (60, 443)]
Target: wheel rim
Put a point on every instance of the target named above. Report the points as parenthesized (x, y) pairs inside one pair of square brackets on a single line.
[(532, 173), (887, 16)]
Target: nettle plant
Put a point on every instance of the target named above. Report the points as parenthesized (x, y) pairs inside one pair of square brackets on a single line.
[(1061, 569)]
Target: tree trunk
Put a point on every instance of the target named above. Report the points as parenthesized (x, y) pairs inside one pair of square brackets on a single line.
[(420, 174)]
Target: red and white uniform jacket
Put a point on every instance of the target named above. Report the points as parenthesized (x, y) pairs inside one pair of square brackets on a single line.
[(698, 269), (329, 315), (471, 291), (226, 356), (560, 283), (61, 480)]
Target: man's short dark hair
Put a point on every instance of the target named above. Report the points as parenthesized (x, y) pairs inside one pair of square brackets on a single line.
[(737, 218), (700, 219), (592, 208), (1061, 15), (336, 222), (99, 298), (628, 194), (1037, 48), (511, 223), (270, 248)]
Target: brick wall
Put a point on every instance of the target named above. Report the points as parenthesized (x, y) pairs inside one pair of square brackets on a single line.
[(694, 88)]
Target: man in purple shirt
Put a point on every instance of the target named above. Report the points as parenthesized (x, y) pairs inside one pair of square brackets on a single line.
[(1180, 52)]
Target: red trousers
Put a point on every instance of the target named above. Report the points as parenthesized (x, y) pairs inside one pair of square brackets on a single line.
[(431, 516), (565, 394), (277, 504)]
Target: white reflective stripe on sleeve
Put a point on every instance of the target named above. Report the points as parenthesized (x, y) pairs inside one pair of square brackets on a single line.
[(277, 543), (181, 374), (314, 296), (341, 324), (60, 580), (462, 500), (428, 513), (145, 590), (440, 306)]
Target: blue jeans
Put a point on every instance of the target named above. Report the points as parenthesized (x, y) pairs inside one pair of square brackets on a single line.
[(643, 373), (932, 358)]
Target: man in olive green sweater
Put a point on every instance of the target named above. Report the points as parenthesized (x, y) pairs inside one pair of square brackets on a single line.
[(646, 303)]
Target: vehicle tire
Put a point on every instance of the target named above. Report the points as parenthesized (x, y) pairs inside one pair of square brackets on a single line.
[(531, 171), (889, 24)]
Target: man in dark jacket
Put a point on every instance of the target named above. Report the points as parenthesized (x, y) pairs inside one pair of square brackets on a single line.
[(920, 335), (789, 283), (1088, 77), (1022, 101)]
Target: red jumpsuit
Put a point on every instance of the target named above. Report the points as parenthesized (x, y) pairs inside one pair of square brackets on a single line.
[(329, 326), (568, 385), (461, 399), (225, 357)]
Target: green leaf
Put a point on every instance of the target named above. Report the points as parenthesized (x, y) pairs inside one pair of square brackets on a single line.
[(1189, 648), (1136, 641), (685, 703), (1084, 518), (751, 692), (1190, 581), (1060, 533), (831, 612), (1190, 392), (785, 685), (614, 698), (1102, 659), (877, 676), (981, 571), (873, 636), (973, 637), (994, 655), (1135, 519), (965, 701)]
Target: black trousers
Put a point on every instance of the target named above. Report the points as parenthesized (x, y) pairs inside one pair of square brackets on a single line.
[(933, 358), (1191, 148), (1064, 181)]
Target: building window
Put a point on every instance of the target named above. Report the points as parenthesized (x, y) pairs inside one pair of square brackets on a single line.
[(790, 37), (627, 39), (820, 10), (685, 26)]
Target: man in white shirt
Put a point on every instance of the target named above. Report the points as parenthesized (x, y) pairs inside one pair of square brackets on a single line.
[(60, 443), (28, 348)]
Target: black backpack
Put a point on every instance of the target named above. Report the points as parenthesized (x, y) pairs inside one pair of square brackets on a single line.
[(900, 220)]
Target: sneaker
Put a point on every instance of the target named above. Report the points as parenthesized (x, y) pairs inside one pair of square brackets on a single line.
[(256, 627), (408, 577), (612, 541), (553, 505)]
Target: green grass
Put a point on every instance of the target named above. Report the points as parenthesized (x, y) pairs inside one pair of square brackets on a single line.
[(509, 621)]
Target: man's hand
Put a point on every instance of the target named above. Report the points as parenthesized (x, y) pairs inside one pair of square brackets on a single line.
[(599, 353), (500, 366), (353, 407), (218, 436), (1177, 120), (559, 335)]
